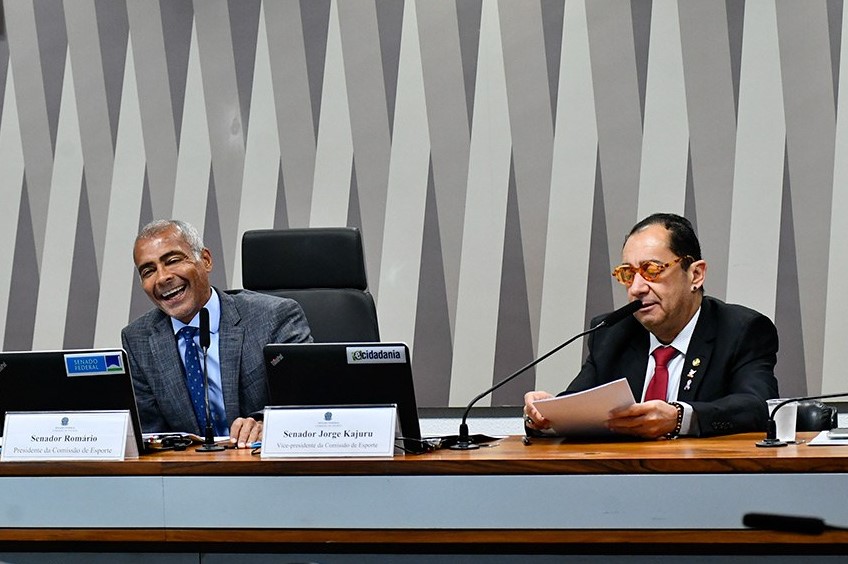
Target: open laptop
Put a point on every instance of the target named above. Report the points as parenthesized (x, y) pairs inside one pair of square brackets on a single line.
[(67, 380), (346, 374)]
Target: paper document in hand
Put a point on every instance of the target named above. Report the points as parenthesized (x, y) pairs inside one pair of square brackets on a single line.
[(585, 413)]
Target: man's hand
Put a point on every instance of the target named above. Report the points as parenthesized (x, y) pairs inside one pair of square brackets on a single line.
[(245, 430), (651, 419), (532, 417)]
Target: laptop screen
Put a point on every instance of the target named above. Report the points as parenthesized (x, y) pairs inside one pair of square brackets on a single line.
[(68, 380), (346, 374)]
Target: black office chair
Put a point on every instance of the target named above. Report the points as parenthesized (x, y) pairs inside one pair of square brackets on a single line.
[(814, 415), (323, 269)]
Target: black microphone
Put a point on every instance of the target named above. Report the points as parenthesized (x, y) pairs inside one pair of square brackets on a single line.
[(464, 441), (205, 338), (209, 442), (771, 439), (787, 523), (618, 315)]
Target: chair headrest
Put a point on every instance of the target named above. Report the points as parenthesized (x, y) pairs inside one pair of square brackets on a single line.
[(814, 415), (316, 257)]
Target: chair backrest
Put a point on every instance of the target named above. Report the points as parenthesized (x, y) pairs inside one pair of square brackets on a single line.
[(323, 269), (814, 415)]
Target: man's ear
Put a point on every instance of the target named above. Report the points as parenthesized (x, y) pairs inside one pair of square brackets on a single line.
[(698, 273), (206, 259)]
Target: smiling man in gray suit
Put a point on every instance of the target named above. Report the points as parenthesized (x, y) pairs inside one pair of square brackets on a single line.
[(174, 268)]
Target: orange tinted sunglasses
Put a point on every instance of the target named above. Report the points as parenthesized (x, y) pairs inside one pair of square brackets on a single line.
[(650, 270)]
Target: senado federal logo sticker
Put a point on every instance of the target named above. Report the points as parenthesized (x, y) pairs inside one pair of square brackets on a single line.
[(376, 355), (94, 364)]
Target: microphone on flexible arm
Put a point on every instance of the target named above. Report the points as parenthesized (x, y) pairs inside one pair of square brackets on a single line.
[(205, 339), (771, 439), (788, 523), (464, 441)]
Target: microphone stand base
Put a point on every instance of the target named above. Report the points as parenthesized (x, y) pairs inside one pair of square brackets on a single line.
[(464, 445), (209, 448), (465, 442), (771, 443)]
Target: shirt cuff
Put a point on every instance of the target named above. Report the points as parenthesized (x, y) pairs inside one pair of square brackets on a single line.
[(689, 426)]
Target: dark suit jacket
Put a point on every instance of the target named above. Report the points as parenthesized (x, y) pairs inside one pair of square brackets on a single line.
[(249, 321), (732, 353)]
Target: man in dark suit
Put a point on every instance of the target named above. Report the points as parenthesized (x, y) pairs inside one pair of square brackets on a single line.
[(174, 268), (700, 366)]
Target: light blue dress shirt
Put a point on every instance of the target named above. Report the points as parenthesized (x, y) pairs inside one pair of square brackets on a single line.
[(213, 361)]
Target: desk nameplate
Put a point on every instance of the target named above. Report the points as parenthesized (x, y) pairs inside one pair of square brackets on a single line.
[(68, 435), (329, 431)]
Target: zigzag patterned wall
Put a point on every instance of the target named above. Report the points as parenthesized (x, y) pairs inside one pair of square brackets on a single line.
[(494, 153)]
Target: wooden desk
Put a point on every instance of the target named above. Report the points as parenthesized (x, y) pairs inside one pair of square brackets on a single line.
[(686, 494)]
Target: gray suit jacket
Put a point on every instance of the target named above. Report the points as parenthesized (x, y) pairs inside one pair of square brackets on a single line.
[(249, 321)]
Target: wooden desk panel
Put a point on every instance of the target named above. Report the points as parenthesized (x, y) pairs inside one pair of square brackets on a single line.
[(731, 454), (686, 491), (213, 540)]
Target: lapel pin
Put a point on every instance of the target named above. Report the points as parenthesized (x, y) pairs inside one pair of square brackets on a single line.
[(691, 374), (696, 363), (688, 385)]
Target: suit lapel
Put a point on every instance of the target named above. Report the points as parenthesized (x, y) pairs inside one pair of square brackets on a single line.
[(634, 362), (230, 341), (699, 353), (169, 379)]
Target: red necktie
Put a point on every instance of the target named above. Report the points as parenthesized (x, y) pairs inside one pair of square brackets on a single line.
[(658, 387)]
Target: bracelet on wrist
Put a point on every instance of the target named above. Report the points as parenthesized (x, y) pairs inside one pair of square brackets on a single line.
[(676, 432)]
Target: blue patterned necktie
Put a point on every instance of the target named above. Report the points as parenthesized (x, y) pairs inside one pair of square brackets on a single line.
[(194, 375)]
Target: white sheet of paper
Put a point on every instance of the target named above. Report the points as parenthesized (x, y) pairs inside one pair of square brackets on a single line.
[(823, 440), (585, 413)]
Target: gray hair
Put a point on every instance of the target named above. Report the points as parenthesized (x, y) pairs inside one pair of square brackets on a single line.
[(186, 230)]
